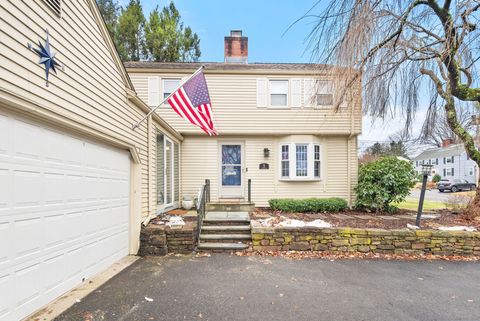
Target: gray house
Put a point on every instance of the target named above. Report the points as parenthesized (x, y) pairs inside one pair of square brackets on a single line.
[(449, 161)]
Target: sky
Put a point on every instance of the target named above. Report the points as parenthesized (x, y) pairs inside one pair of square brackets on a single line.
[(273, 36)]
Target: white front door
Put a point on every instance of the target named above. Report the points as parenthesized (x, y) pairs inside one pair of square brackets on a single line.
[(231, 170), (64, 212)]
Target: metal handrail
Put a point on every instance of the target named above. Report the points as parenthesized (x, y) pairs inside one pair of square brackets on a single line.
[(204, 197)]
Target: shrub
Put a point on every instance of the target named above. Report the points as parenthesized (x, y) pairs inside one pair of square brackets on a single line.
[(436, 178), (383, 182), (311, 205)]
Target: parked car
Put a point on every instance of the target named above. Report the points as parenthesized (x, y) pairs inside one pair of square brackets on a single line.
[(455, 185)]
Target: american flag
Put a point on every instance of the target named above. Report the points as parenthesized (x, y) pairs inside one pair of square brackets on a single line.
[(192, 102)]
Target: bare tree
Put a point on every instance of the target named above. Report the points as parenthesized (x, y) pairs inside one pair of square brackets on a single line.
[(434, 133), (401, 49)]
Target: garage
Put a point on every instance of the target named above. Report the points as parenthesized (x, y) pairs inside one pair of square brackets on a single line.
[(64, 212)]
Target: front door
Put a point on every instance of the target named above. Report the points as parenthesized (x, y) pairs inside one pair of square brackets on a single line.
[(231, 170)]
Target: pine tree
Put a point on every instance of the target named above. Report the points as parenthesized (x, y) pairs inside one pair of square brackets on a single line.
[(167, 39), (129, 37), (109, 10)]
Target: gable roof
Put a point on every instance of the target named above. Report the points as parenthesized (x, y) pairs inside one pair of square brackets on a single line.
[(440, 152)]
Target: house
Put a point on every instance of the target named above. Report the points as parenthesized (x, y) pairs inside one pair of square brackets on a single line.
[(75, 180), (449, 161), (277, 129)]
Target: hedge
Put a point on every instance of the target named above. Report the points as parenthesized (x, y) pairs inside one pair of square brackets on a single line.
[(309, 205)]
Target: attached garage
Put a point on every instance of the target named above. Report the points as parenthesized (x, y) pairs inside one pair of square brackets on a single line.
[(64, 212)]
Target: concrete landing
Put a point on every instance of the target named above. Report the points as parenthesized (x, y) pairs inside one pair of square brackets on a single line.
[(227, 216)]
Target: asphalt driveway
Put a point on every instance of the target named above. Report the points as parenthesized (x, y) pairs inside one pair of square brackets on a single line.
[(223, 287), (433, 195)]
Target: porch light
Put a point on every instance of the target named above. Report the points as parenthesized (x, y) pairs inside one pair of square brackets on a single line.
[(426, 169), (266, 152)]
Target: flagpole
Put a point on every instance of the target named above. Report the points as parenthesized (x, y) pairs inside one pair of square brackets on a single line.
[(135, 126)]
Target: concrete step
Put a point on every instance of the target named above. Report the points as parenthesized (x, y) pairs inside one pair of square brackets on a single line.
[(226, 218), (226, 229), (231, 206), (230, 238), (222, 246)]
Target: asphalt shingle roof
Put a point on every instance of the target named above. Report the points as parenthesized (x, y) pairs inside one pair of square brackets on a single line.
[(439, 152), (226, 66)]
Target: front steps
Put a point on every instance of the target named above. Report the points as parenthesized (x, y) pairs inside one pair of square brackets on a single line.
[(225, 231), (230, 206)]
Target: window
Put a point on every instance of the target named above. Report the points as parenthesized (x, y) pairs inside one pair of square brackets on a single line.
[(300, 161), (449, 172), (316, 160), (470, 171), (169, 85), (54, 5), (324, 95), (278, 92), (449, 160), (285, 161)]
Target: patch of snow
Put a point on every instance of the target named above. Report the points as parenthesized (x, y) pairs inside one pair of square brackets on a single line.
[(283, 221), (412, 227), (148, 299), (457, 228), (291, 223), (318, 223), (175, 221)]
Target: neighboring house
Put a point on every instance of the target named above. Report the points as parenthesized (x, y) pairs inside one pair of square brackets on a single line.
[(274, 129), (449, 161), (75, 179)]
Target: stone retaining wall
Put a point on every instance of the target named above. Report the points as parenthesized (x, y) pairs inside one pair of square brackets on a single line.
[(366, 240), (160, 239)]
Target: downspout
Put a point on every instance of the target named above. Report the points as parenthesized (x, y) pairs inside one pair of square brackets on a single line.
[(349, 165)]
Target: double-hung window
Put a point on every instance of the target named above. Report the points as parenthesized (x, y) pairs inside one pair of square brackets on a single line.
[(324, 95), (278, 92), (300, 161), (169, 85)]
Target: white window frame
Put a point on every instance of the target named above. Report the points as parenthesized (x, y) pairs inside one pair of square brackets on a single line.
[(162, 97), (287, 102), (323, 87), (292, 159)]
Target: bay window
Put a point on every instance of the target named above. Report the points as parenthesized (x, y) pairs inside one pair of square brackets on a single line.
[(304, 164)]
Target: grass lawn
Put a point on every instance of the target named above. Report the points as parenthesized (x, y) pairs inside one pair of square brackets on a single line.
[(412, 204)]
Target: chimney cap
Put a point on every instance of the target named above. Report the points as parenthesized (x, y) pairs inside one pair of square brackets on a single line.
[(236, 33)]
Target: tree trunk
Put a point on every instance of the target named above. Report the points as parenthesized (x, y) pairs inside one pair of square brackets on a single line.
[(473, 208)]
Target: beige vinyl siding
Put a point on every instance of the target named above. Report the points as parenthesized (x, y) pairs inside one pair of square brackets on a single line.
[(90, 91), (234, 101), (200, 161)]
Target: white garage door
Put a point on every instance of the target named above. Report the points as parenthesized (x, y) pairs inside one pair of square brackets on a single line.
[(64, 213)]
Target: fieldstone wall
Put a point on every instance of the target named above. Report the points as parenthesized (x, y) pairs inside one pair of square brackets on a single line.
[(366, 240), (160, 239)]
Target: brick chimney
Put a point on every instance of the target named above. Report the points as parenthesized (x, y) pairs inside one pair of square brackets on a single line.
[(236, 48), (447, 142)]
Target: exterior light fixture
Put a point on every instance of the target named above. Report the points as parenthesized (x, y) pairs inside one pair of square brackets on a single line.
[(266, 152)]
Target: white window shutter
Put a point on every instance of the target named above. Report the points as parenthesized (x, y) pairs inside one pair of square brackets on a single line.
[(153, 91), (296, 92), (262, 92), (308, 92)]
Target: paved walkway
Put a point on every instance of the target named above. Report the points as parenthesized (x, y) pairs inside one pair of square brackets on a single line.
[(224, 288)]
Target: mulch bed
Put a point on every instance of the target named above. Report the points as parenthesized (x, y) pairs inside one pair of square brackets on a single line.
[(360, 219)]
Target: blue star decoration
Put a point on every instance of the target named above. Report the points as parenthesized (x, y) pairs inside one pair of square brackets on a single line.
[(47, 57)]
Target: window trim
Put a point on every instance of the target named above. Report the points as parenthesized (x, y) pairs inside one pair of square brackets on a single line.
[(162, 92), (269, 94), (292, 147)]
